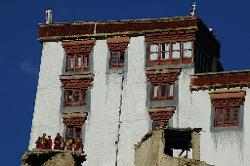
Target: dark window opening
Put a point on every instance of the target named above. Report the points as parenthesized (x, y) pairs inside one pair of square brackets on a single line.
[(74, 97), (117, 59), (178, 139), (73, 132)]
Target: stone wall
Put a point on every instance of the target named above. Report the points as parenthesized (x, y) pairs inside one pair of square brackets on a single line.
[(150, 152)]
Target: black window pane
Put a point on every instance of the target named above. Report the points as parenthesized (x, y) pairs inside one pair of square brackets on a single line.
[(163, 90), (122, 57), (70, 133), (114, 57), (78, 133), (77, 97), (236, 115), (83, 95), (228, 116)]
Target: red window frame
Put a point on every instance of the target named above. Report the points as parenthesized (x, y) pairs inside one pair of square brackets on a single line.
[(81, 100), (84, 64), (118, 59), (170, 59), (221, 116), (167, 90), (74, 132)]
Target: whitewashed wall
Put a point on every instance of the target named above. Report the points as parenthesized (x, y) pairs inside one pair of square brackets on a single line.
[(135, 118), (225, 146), (102, 124), (46, 116), (182, 117)]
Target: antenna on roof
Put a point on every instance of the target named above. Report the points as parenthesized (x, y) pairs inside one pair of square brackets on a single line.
[(192, 13), (48, 16)]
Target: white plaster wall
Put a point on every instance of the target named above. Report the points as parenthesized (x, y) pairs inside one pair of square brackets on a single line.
[(134, 116), (181, 118), (246, 134), (101, 126), (46, 116), (225, 146)]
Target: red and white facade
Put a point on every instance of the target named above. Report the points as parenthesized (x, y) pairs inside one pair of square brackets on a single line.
[(110, 83)]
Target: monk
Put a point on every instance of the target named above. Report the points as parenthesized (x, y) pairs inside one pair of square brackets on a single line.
[(43, 142), (57, 142), (49, 143), (78, 145), (38, 143)]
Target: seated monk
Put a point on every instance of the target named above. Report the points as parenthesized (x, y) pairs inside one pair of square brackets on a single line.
[(43, 142), (49, 143), (57, 141), (78, 145), (38, 143), (69, 144)]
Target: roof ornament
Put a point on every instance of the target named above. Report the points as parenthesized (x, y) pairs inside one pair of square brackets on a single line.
[(192, 13), (49, 16)]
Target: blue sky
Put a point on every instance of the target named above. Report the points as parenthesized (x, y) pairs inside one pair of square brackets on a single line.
[(21, 52)]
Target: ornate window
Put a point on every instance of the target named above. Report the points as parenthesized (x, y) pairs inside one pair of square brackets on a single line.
[(78, 54), (159, 51), (74, 97), (73, 130), (162, 83), (163, 48), (162, 90), (117, 49), (165, 52), (75, 89), (227, 108), (228, 116), (117, 59)]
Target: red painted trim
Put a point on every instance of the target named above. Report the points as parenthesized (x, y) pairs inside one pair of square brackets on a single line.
[(115, 27), (220, 79)]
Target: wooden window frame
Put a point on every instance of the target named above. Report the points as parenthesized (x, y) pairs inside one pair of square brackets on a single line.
[(159, 97), (82, 101), (231, 121), (118, 58), (170, 60), (75, 127), (83, 67), (180, 50)]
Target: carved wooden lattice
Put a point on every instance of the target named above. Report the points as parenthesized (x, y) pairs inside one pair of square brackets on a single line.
[(82, 83), (172, 35), (74, 121), (84, 46), (162, 76)]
